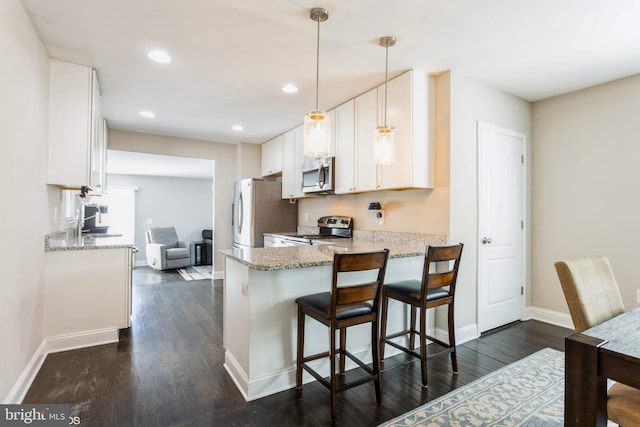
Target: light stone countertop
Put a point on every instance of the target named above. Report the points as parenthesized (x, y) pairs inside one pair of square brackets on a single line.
[(67, 241), (270, 259)]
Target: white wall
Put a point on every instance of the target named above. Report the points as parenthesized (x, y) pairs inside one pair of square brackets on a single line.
[(586, 184), (183, 203), (224, 176), (24, 80), (472, 102)]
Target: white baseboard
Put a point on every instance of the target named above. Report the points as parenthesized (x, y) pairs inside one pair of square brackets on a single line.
[(81, 340), (21, 387), (549, 316), (256, 388), (54, 345), (464, 334)]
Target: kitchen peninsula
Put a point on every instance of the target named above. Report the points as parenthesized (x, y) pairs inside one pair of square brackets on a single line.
[(260, 314)]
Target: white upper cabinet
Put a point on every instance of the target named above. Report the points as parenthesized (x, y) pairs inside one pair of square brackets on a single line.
[(76, 143), (292, 160), (272, 157), (355, 125), (410, 112), (345, 146)]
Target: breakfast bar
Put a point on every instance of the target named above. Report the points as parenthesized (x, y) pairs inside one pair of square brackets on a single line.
[(260, 315)]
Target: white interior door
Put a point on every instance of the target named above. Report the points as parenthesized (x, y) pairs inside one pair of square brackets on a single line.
[(501, 201)]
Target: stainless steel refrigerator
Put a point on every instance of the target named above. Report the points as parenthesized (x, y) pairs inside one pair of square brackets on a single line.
[(258, 208)]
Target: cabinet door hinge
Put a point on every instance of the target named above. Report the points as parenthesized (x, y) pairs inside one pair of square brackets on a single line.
[(521, 225), (522, 159), (521, 290)]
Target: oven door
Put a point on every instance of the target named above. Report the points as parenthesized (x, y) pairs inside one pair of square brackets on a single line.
[(317, 176)]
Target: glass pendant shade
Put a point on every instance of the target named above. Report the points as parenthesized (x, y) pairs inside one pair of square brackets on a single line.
[(384, 146), (317, 134)]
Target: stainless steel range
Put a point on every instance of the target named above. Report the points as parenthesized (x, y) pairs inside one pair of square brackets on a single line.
[(329, 227)]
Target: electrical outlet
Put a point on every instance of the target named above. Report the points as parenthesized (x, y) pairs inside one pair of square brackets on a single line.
[(244, 288), (149, 221), (306, 216)]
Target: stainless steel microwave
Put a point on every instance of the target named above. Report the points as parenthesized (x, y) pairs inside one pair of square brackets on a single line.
[(318, 176)]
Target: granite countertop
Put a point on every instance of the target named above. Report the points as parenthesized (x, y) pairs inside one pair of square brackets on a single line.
[(67, 241), (269, 259)]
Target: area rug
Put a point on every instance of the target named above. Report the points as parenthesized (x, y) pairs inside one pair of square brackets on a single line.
[(199, 272), (529, 392)]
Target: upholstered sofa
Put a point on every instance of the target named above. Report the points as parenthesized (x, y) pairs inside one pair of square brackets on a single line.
[(165, 251)]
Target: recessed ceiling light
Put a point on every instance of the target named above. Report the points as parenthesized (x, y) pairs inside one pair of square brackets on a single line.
[(237, 128), (147, 114), (290, 88), (159, 56)]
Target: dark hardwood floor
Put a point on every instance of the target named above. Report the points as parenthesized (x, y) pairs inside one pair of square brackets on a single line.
[(167, 369)]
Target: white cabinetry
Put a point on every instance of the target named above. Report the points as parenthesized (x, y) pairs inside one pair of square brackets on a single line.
[(272, 157), (292, 160), (345, 146), (87, 291), (76, 143), (355, 126), (410, 111)]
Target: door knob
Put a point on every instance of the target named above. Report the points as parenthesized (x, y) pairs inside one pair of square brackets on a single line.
[(486, 240)]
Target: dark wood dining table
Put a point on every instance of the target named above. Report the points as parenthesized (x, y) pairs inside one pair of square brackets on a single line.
[(610, 350)]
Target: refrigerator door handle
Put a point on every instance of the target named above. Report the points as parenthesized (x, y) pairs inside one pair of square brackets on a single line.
[(240, 213)]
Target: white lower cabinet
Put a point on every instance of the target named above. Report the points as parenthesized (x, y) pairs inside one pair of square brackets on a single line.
[(87, 291)]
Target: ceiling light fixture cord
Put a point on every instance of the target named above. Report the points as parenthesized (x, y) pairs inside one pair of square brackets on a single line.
[(386, 80), (318, 64)]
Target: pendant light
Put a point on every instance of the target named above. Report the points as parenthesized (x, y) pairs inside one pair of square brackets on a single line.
[(383, 144), (317, 132)]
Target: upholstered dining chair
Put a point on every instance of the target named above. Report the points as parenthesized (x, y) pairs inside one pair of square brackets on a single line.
[(347, 304), (436, 288), (592, 295)]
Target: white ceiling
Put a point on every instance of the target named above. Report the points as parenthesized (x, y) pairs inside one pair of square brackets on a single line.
[(231, 57)]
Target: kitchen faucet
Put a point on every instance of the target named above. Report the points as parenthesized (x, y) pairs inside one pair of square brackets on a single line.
[(80, 225)]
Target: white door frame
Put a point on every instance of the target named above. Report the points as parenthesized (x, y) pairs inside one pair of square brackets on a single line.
[(524, 244)]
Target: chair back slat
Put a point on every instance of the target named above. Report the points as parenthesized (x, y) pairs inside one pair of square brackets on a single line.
[(440, 280), (360, 261), (356, 293)]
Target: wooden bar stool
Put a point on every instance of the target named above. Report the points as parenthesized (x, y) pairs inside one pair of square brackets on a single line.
[(435, 289), (344, 306)]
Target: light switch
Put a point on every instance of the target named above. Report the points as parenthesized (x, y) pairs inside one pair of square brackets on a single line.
[(149, 221)]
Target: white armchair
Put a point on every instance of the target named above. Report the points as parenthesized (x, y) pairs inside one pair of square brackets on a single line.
[(165, 251)]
